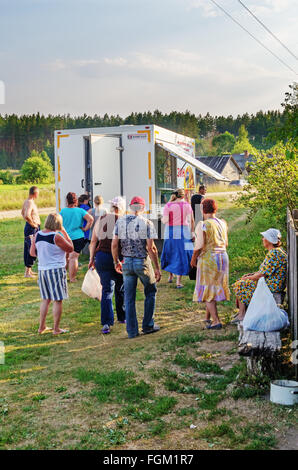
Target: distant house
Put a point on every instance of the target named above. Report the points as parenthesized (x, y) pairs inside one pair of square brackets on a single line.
[(226, 165), (241, 159)]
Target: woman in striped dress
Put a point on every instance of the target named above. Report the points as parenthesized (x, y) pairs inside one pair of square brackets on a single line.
[(51, 247)]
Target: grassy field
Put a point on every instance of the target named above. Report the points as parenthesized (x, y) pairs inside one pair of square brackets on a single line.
[(12, 196), (84, 390)]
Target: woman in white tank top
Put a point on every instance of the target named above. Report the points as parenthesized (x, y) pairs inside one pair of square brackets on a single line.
[(51, 247)]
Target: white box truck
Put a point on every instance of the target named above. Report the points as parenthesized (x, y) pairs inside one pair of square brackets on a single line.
[(147, 160)]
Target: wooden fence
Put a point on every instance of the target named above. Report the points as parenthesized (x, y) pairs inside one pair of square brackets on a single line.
[(292, 242)]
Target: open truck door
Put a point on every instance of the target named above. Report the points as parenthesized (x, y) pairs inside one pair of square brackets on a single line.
[(106, 166)]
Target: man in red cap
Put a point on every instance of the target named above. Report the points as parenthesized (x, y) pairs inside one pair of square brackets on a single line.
[(136, 235)]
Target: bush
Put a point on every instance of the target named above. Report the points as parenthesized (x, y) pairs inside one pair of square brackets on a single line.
[(36, 170), (272, 182), (6, 177)]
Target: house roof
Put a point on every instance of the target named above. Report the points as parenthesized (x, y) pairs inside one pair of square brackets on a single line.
[(241, 159), (219, 163)]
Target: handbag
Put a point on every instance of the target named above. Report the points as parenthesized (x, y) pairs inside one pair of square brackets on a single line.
[(192, 273)]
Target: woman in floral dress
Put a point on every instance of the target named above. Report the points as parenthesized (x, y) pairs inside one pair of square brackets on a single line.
[(211, 259), (273, 269)]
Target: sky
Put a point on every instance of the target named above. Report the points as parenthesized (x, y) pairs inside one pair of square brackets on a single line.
[(123, 56)]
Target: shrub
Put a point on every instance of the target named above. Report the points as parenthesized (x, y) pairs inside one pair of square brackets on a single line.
[(6, 177), (36, 170), (272, 182)]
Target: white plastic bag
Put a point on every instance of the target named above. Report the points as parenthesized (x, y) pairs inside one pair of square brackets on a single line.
[(91, 285), (263, 314)]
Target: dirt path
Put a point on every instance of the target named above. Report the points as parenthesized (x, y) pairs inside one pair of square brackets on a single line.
[(45, 210), (17, 212), (290, 440)]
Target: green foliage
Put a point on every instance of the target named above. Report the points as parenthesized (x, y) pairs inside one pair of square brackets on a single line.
[(288, 129), (18, 134), (37, 169), (224, 143), (272, 182), (6, 177), (242, 143)]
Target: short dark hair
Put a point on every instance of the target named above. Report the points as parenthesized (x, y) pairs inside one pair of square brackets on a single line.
[(202, 187), (33, 190), (83, 198), (209, 206), (71, 198)]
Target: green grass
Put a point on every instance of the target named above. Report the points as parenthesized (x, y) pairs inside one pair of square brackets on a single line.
[(151, 410), (118, 393), (209, 401), (184, 360), (182, 340), (12, 196)]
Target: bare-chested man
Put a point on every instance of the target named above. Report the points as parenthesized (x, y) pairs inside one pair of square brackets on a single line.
[(30, 215)]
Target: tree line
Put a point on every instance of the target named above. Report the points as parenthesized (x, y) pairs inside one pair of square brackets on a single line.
[(19, 135)]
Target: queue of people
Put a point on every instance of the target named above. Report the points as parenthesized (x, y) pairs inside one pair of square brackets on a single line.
[(122, 250)]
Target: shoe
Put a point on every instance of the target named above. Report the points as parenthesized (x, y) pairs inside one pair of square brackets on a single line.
[(105, 329), (179, 286), (122, 321), (150, 329), (214, 327), (235, 321), (132, 337)]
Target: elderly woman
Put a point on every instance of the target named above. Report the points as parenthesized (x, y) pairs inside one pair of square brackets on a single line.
[(73, 221), (273, 269), (51, 248), (101, 258), (211, 259)]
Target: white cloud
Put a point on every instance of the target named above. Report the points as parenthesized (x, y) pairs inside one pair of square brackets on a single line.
[(118, 61), (209, 10), (171, 62), (272, 6)]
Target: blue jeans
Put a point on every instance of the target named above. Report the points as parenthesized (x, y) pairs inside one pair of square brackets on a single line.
[(110, 281), (134, 268)]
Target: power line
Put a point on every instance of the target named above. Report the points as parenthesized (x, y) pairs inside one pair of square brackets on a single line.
[(267, 29), (251, 35)]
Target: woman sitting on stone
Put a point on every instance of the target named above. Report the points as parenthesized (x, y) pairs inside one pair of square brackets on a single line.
[(273, 269)]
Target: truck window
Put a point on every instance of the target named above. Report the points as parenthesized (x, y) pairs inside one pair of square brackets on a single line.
[(165, 169)]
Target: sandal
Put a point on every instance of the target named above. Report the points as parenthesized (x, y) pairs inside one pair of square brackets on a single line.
[(214, 327), (45, 330), (61, 332)]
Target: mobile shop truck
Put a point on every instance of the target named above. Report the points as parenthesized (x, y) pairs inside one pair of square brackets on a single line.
[(148, 161)]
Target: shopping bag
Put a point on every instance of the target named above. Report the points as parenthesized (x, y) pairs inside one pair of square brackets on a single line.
[(263, 314), (91, 285), (192, 273)]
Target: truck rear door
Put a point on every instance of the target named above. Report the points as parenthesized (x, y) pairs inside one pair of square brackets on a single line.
[(106, 166)]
